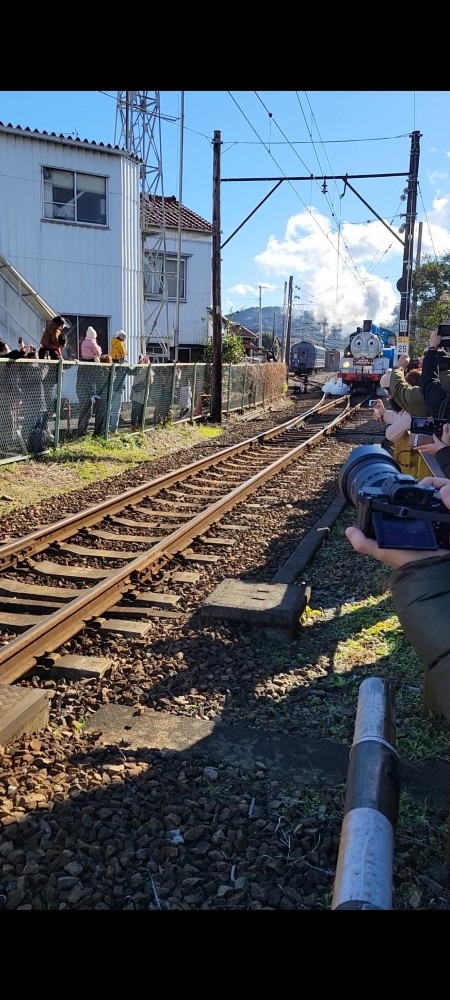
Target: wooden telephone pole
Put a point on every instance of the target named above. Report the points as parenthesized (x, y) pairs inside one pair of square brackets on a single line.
[(216, 383), (289, 323)]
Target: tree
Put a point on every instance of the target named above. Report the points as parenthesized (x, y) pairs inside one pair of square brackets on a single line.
[(431, 290), (271, 342), (233, 350)]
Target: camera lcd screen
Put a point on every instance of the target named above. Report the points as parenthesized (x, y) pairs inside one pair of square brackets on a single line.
[(403, 533)]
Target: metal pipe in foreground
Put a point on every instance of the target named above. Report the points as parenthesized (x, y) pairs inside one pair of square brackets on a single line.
[(366, 849)]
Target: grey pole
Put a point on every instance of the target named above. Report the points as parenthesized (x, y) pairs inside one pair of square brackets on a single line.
[(366, 850)]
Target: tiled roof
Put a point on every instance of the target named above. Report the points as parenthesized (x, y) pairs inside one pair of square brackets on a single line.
[(71, 140), (153, 215)]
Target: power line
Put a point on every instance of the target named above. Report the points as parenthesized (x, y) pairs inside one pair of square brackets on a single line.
[(428, 224), (324, 233)]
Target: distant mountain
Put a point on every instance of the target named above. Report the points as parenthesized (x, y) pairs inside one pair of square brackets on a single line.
[(303, 324)]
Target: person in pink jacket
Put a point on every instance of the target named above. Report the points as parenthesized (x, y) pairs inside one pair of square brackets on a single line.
[(398, 423), (90, 350)]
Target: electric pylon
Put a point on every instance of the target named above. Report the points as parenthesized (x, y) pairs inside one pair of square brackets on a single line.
[(138, 130)]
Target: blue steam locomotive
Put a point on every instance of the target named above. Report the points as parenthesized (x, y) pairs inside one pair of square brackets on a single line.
[(369, 353)]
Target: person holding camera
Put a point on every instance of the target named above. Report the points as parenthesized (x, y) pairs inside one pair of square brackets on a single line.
[(440, 447), (398, 419), (406, 393), (420, 587), (435, 378)]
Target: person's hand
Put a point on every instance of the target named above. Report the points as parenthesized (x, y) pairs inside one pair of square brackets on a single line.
[(395, 558), (378, 409), (441, 484), (431, 448), (446, 435), (403, 361), (435, 339)]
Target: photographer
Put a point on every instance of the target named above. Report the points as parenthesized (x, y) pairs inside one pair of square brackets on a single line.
[(420, 586), (407, 394), (440, 448), (435, 379), (397, 419)]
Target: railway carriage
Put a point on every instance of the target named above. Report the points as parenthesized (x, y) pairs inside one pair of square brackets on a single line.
[(306, 358), (333, 359)]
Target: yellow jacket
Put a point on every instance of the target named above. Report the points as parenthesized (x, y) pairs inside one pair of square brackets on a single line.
[(118, 349)]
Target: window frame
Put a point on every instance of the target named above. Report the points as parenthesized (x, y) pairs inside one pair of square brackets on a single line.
[(77, 193), (78, 325), (148, 275)]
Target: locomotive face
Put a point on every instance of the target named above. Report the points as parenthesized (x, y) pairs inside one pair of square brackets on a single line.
[(366, 346)]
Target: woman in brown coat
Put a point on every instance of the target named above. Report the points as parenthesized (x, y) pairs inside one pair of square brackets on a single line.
[(50, 340)]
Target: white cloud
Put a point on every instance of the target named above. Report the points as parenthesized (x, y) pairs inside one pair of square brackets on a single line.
[(434, 176), (435, 234), (337, 272), (252, 291)]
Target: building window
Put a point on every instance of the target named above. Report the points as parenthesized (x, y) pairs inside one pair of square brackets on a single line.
[(75, 333), (74, 197), (160, 276)]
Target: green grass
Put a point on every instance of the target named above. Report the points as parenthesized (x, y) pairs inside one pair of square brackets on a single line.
[(87, 460)]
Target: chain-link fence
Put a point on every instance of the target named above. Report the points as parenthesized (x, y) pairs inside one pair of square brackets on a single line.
[(46, 403)]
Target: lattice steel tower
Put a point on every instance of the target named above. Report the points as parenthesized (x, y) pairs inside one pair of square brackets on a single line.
[(138, 130)]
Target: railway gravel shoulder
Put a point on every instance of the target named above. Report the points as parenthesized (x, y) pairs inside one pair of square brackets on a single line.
[(89, 826)]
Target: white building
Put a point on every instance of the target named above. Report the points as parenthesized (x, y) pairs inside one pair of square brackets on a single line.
[(163, 311), (70, 226)]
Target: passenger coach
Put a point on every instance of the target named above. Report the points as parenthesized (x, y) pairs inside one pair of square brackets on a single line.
[(306, 358)]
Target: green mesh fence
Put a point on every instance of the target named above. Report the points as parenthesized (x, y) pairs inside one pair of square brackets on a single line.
[(46, 403)]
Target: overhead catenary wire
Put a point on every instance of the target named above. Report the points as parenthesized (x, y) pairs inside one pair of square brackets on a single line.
[(428, 224), (324, 233), (271, 117)]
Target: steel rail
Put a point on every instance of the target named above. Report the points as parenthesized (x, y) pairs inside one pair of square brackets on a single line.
[(16, 551), (19, 655)]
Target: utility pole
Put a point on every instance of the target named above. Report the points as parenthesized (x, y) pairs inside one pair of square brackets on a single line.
[(176, 332), (283, 328), (404, 285), (414, 296), (216, 382), (289, 321), (260, 319)]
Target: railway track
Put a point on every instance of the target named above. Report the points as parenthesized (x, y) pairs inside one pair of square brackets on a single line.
[(157, 521), (203, 768)]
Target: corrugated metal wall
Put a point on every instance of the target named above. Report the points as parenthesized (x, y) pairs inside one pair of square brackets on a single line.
[(84, 270)]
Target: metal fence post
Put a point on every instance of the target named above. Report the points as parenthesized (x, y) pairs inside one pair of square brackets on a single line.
[(174, 383), (365, 860), (229, 388), (58, 403), (244, 388), (109, 400), (256, 387), (146, 395), (194, 387)]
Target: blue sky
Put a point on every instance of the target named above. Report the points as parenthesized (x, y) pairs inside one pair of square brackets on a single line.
[(344, 262)]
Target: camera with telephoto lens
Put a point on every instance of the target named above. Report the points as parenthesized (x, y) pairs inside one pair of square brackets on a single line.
[(391, 507)]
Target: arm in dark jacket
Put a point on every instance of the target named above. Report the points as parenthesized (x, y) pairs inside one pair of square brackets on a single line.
[(408, 397), (421, 595), (443, 459), (435, 396)]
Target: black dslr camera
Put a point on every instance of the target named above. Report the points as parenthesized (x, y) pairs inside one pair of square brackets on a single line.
[(392, 507)]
